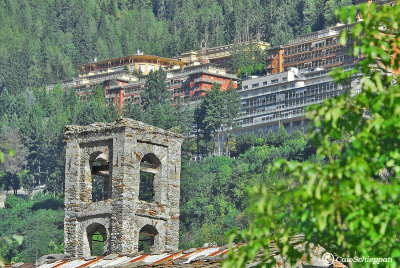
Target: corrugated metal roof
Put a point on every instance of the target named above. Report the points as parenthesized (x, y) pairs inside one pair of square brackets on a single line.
[(148, 260), (195, 257)]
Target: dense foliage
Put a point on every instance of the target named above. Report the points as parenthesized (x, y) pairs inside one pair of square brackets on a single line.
[(40, 221), (42, 41), (350, 205), (214, 191)]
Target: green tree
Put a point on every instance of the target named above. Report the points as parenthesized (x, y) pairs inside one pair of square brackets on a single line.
[(310, 15), (348, 205), (329, 10), (215, 113), (231, 110), (132, 110), (39, 220), (95, 109), (155, 91), (158, 108), (208, 119), (5, 241), (247, 59), (231, 107)]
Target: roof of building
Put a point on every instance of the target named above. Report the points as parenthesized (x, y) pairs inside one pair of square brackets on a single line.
[(195, 257), (129, 60)]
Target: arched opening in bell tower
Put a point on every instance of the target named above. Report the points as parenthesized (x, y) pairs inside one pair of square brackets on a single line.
[(97, 237), (148, 237), (149, 168)]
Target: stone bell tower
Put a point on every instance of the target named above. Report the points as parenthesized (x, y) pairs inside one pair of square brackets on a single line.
[(122, 180)]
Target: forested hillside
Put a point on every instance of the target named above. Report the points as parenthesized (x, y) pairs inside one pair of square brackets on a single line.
[(31, 122), (42, 41)]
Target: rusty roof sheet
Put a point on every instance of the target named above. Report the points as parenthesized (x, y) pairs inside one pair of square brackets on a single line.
[(148, 260), (195, 257)]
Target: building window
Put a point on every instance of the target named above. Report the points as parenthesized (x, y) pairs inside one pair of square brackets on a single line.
[(101, 182), (245, 87), (149, 167), (142, 68), (264, 83), (151, 68), (284, 79), (255, 85), (274, 81)]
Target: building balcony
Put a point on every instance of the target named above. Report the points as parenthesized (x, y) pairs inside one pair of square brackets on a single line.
[(275, 118)]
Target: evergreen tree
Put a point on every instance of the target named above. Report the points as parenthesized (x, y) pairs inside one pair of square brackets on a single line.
[(208, 115), (132, 110), (310, 15), (247, 60), (155, 91), (231, 110)]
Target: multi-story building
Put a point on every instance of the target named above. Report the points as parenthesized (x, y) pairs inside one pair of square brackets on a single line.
[(124, 78), (187, 85), (282, 98), (314, 50), (191, 83), (188, 77)]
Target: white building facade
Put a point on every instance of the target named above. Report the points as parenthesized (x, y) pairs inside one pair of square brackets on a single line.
[(281, 99)]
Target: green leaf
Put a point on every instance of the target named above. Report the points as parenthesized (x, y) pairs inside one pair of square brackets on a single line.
[(395, 253), (356, 51), (357, 29), (343, 37), (358, 188), (11, 152), (352, 14), (18, 238), (343, 14)]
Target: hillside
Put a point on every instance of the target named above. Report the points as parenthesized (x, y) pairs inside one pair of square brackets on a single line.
[(42, 41), (206, 215)]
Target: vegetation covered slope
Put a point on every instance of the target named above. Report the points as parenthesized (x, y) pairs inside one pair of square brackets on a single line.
[(42, 41), (214, 191), (214, 198)]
